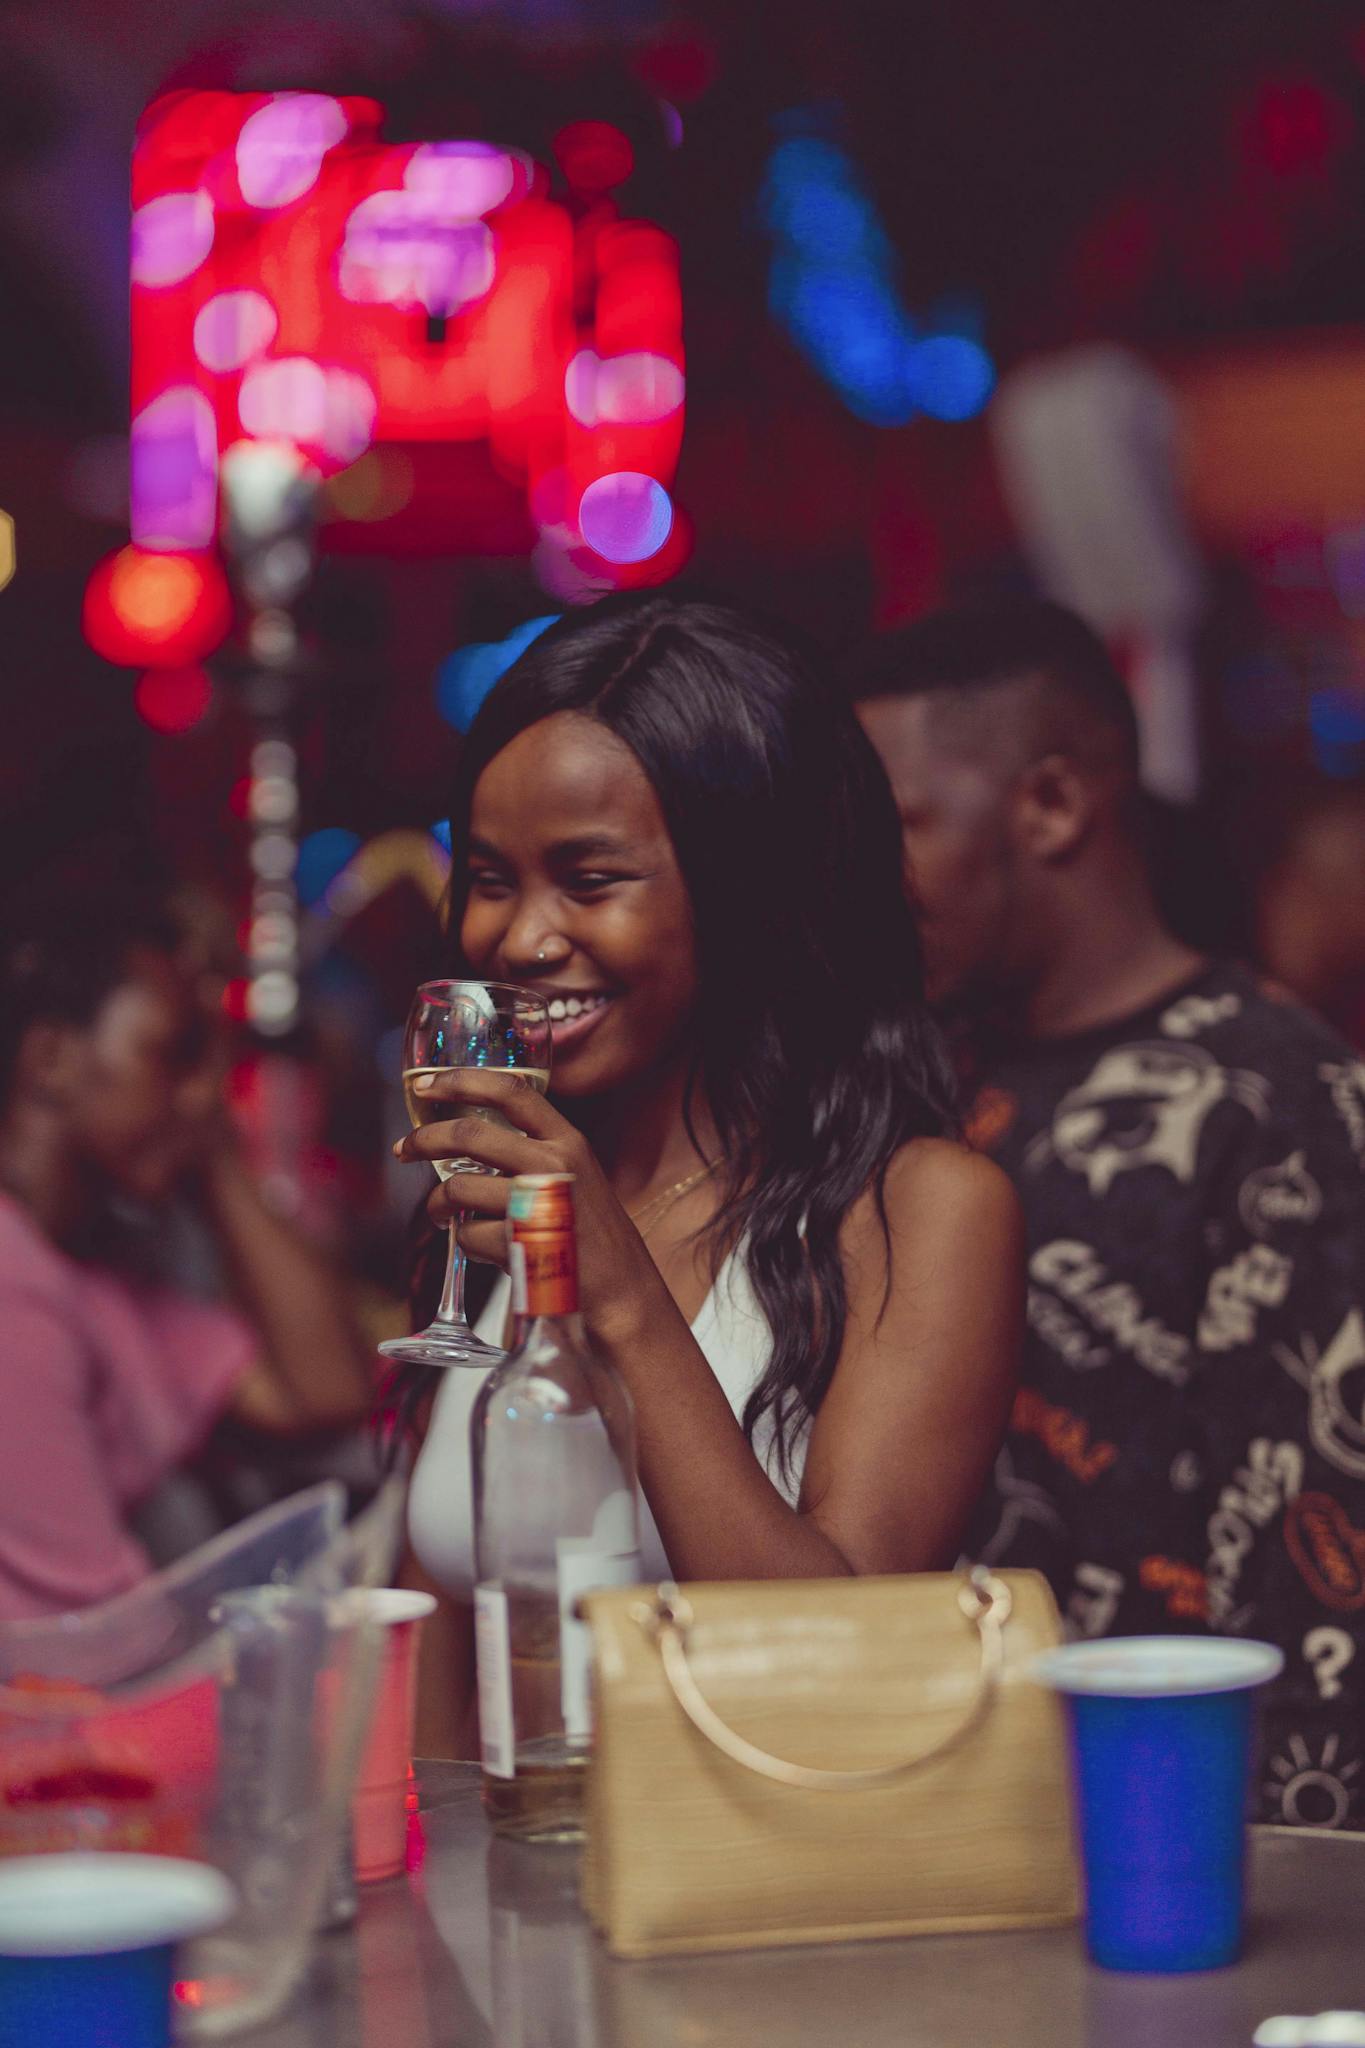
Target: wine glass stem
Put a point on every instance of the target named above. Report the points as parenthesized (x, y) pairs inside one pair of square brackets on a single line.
[(451, 1310)]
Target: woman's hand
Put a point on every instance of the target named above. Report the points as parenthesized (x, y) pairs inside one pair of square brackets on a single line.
[(617, 1278)]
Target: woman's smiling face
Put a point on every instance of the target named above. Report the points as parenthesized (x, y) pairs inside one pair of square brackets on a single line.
[(575, 890)]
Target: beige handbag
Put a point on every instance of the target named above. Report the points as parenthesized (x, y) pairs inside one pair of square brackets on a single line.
[(825, 1760)]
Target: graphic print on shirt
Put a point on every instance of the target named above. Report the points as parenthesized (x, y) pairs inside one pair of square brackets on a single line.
[(1193, 1014), (1336, 1418), (1257, 1278), (1196, 1172), (1187, 1472), (1346, 1083), (1271, 1477), (1094, 1601), (989, 1118), (1081, 1301), (1020, 1503), (1276, 1195), (1305, 1790), (1327, 1652), (1183, 1587), (1142, 1105), (1065, 1437), (1328, 1550)]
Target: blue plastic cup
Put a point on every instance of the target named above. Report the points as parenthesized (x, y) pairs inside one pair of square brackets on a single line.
[(1161, 1731), (87, 1946)]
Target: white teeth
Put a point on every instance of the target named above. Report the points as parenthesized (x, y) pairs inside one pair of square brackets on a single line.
[(565, 1009)]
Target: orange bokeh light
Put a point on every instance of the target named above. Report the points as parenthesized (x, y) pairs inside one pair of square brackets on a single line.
[(146, 607), (153, 594)]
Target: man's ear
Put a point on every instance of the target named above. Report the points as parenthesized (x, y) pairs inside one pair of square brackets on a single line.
[(51, 1064), (1055, 805)]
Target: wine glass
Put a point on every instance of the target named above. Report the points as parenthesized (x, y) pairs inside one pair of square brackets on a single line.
[(487, 1024)]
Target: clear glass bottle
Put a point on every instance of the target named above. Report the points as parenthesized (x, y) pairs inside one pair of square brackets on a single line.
[(552, 1440)]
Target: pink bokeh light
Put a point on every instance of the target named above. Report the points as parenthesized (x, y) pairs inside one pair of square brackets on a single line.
[(635, 389), (625, 516), (295, 399), (465, 180), (173, 471), (406, 249), (232, 327), (171, 236), (281, 146)]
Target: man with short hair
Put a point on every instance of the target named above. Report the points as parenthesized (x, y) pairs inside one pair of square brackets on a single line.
[(1187, 1450)]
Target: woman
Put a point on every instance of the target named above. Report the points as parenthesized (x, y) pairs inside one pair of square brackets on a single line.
[(668, 823), (110, 1096)]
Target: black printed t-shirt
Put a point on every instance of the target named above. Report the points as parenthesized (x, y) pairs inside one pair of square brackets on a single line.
[(1187, 1450)]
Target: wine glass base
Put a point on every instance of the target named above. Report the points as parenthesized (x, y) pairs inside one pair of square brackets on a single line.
[(438, 1345)]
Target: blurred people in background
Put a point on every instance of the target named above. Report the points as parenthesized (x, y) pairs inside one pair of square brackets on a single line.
[(670, 825), (1186, 1450), (1310, 903), (111, 1105)]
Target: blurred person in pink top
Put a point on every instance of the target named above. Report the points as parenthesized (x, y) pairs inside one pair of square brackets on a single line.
[(110, 1098)]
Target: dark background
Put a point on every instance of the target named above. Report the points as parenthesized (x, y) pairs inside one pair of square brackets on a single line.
[(1186, 180)]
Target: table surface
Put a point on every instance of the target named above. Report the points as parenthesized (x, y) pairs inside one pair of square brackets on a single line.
[(484, 1946)]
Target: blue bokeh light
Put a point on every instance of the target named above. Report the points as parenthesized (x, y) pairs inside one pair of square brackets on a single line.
[(953, 376), (833, 286), (811, 201), (322, 856), (465, 677), (1336, 720), (850, 328)]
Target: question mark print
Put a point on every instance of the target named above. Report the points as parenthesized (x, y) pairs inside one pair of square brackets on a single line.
[(1329, 1651)]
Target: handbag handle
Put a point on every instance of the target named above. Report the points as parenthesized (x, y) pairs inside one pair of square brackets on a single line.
[(985, 1600)]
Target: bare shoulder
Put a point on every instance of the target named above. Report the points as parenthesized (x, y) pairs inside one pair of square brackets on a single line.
[(947, 1270), (935, 1184), (948, 1213)]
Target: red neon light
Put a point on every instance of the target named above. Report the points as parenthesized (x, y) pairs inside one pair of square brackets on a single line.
[(325, 287)]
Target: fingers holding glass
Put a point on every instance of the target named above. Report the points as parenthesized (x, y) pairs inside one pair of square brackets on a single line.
[(480, 1033)]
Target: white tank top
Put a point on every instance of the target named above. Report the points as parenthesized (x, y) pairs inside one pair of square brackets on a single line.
[(733, 1335)]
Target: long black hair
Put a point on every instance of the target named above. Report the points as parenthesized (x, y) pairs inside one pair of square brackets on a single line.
[(814, 1051)]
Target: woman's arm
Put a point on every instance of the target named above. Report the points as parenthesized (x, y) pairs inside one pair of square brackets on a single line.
[(919, 1397), (317, 1372), (907, 1433), (914, 1414)]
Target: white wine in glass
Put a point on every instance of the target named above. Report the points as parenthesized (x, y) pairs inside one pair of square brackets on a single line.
[(423, 1110), (493, 1027)]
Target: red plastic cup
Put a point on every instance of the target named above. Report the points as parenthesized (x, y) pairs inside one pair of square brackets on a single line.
[(379, 1811)]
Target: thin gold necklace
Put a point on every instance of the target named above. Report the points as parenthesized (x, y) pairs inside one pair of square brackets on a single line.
[(657, 1204)]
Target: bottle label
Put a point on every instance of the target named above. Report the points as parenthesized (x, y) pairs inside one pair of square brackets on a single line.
[(550, 1262), (516, 1273), (493, 1650), (540, 1220), (583, 1567)]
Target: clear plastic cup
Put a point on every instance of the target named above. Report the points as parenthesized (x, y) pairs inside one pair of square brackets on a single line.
[(379, 1805), (109, 1716), (216, 1712), (88, 1945), (1161, 1734)]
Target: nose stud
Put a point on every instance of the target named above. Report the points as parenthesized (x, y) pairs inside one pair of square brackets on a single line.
[(542, 954)]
